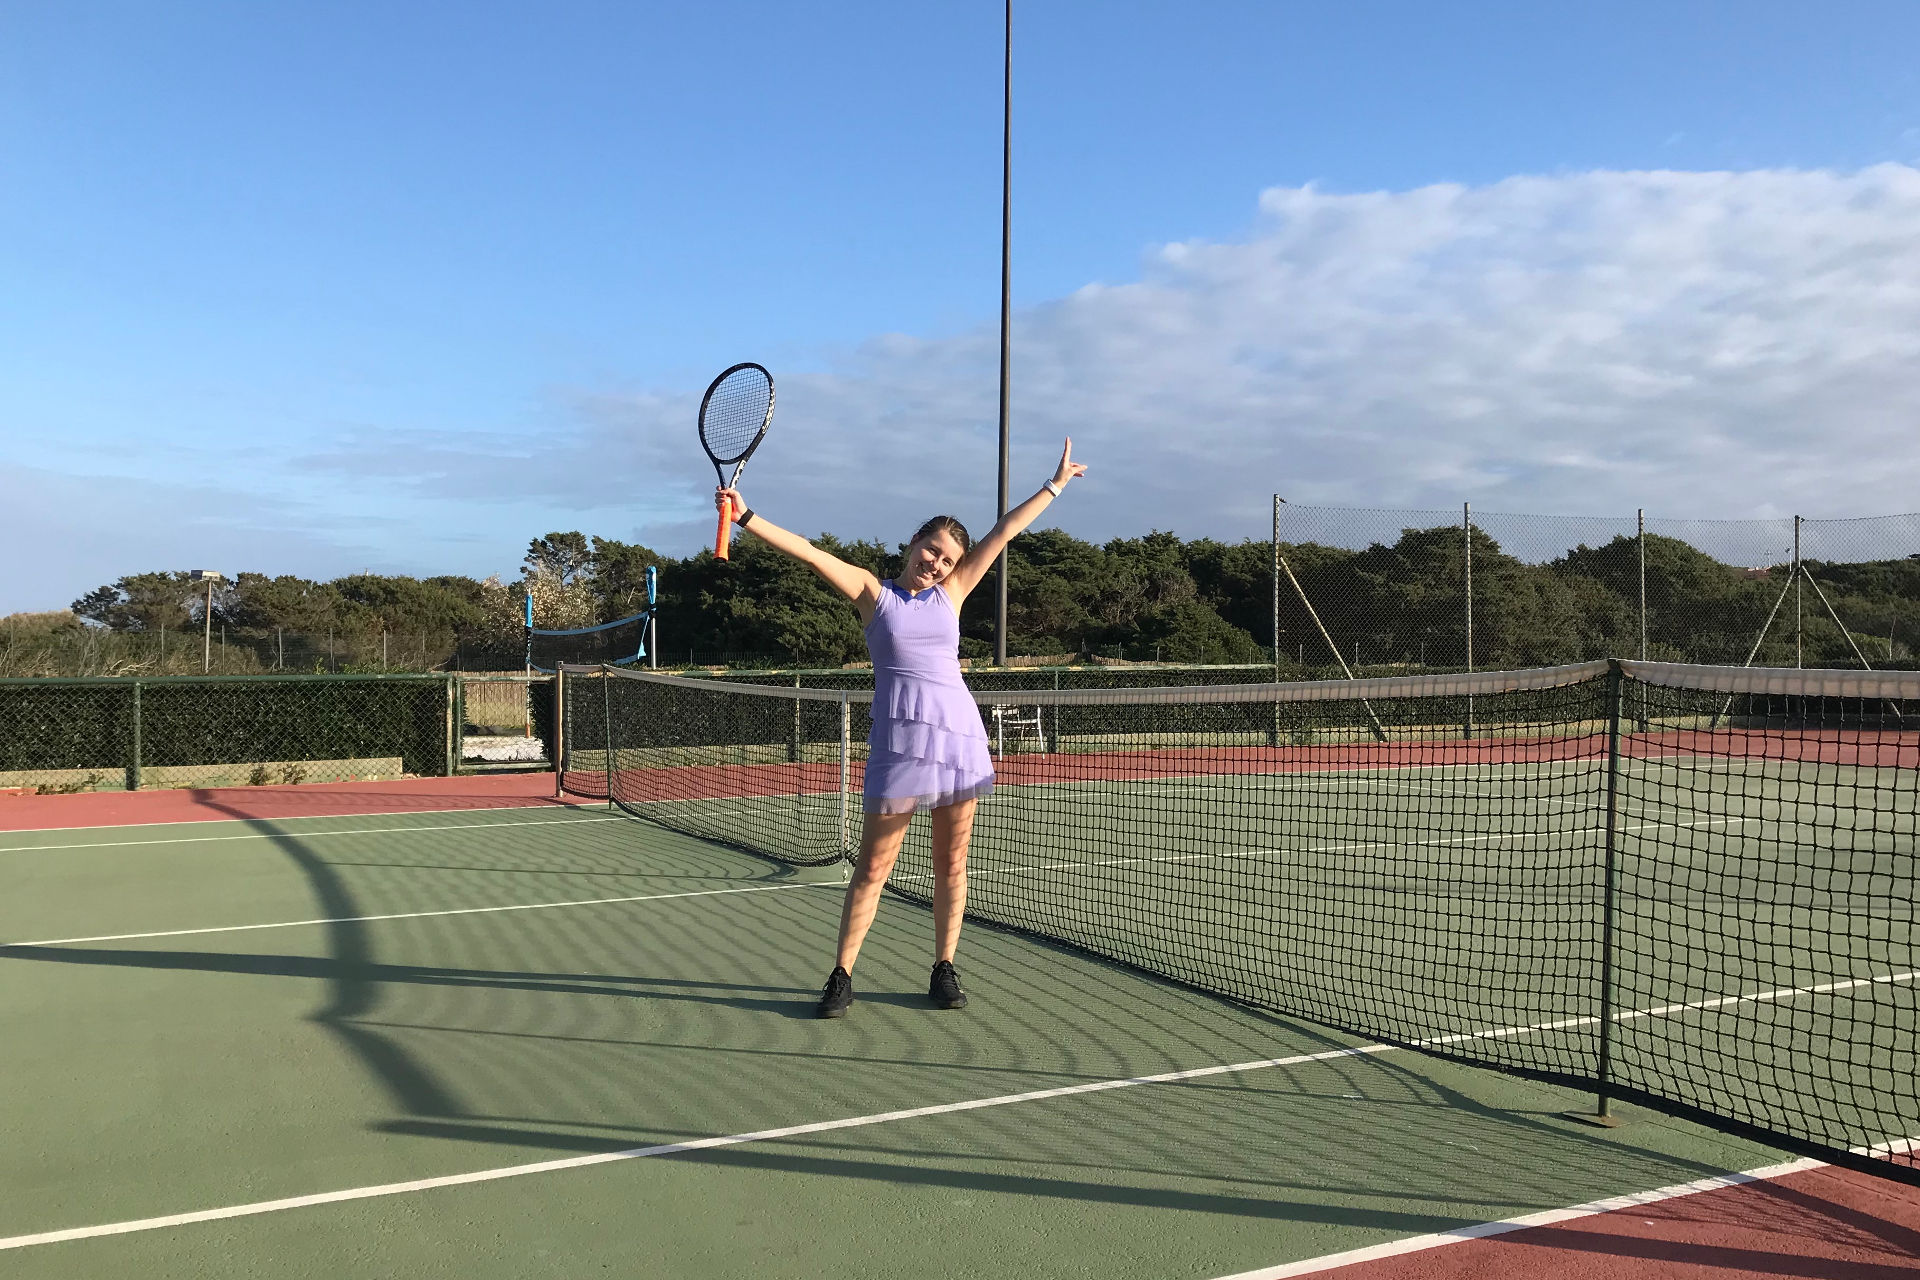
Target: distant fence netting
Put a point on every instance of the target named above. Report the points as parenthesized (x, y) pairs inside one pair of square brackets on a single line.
[(1687, 886), (120, 734), (1467, 589)]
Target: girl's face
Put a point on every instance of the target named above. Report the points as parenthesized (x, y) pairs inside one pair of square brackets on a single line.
[(930, 560)]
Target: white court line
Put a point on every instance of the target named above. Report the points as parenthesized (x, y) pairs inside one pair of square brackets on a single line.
[(1343, 847), (296, 835), (1278, 784), (663, 1149), (259, 1207), (424, 915), (1548, 1217)]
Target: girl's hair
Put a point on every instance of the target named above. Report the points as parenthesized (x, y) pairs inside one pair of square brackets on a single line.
[(949, 525)]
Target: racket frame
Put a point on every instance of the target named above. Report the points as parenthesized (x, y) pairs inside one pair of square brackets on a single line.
[(723, 535)]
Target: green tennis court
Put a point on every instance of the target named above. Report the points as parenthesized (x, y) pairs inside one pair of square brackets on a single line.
[(374, 1019), (1691, 887)]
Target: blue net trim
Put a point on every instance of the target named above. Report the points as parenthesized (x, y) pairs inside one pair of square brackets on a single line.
[(640, 642), (587, 631)]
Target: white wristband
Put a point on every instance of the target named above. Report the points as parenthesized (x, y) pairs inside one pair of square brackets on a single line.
[(1051, 487)]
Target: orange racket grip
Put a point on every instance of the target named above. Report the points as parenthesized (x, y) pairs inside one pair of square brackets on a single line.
[(724, 534)]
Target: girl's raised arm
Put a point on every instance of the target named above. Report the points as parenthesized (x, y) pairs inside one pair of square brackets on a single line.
[(980, 557), (850, 580)]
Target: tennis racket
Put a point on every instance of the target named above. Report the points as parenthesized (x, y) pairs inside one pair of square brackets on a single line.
[(734, 415)]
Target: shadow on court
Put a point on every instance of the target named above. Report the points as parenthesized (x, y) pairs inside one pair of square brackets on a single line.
[(1381, 1142), (356, 982)]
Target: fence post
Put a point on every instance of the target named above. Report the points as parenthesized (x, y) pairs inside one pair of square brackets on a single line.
[(133, 752), (453, 728), (1051, 742), (1603, 1074), (1799, 657), (793, 742), (1640, 541), (1273, 731), (1466, 533)]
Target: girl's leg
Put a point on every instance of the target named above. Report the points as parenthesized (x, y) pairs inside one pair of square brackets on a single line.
[(881, 835), (952, 829)]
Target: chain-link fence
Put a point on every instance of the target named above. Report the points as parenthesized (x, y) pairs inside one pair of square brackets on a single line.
[(76, 649), (1383, 591), (112, 734), (80, 650)]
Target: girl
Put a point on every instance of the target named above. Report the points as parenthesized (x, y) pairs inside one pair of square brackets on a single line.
[(928, 749)]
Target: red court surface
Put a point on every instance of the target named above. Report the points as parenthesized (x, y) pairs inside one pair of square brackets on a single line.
[(319, 800), (1820, 1224)]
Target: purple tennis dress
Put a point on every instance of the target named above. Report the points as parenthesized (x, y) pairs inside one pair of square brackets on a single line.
[(928, 747)]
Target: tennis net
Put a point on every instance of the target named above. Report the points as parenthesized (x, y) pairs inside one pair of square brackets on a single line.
[(1689, 887)]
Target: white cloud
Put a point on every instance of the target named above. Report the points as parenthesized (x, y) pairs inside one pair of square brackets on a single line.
[(1706, 344)]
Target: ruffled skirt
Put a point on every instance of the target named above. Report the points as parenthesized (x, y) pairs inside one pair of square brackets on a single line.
[(913, 766)]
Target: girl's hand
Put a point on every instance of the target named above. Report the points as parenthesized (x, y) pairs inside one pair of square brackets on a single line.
[(1068, 468), (721, 496)]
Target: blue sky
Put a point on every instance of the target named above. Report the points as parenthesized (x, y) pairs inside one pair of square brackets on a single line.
[(316, 288)]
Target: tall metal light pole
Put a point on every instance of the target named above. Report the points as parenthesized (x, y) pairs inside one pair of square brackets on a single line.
[(1006, 280)]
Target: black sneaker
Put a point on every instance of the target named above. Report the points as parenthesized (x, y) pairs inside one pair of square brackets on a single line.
[(838, 996), (943, 989)]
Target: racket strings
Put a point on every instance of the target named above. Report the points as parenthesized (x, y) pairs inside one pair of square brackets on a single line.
[(735, 412)]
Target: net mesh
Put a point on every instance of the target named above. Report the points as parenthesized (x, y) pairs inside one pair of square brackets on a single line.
[(618, 643), (1687, 886), (735, 409)]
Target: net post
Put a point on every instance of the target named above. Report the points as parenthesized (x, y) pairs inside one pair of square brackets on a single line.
[(606, 723), (133, 744), (846, 773), (1602, 1114), (559, 748)]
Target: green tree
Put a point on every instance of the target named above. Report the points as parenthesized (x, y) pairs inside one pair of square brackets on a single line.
[(560, 556), (294, 603), (149, 601), (1237, 580), (760, 602), (617, 572), (1191, 631), (1051, 578), (401, 604)]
